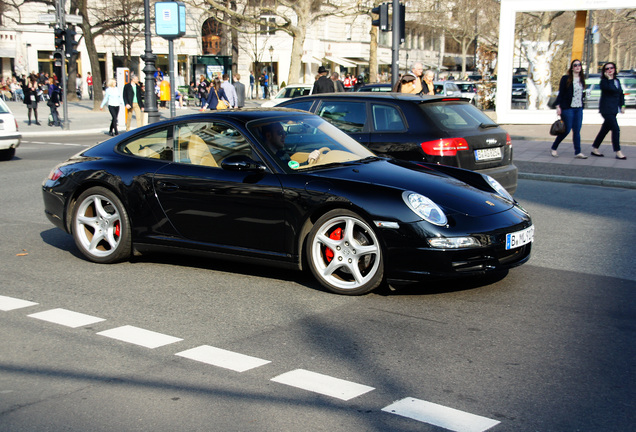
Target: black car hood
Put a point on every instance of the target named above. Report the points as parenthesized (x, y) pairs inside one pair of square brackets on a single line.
[(445, 190)]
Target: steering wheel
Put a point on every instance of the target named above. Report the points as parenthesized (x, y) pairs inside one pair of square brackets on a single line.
[(321, 151)]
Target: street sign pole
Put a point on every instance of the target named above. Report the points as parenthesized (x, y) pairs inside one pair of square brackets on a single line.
[(61, 19)]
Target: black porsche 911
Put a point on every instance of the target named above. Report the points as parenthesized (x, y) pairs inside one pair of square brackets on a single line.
[(287, 188)]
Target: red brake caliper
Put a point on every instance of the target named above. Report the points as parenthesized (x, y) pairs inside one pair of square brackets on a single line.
[(335, 235), (117, 228)]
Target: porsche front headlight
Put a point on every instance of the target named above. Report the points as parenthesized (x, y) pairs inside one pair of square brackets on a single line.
[(425, 208), (498, 187)]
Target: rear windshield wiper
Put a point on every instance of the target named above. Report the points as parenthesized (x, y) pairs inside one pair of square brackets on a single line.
[(488, 125)]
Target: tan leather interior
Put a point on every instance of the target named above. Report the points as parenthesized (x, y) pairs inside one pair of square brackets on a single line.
[(199, 153)]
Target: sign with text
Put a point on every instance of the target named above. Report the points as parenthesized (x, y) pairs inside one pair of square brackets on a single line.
[(170, 19)]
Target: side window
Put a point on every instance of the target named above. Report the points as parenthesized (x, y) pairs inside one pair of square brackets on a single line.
[(387, 119), (209, 143), (302, 105), (347, 116), (155, 145)]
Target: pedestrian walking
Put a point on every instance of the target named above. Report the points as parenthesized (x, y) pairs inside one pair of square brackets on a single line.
[(612, 101), (89, 85), (216, 97), (569, 105), (114, 100), (31, 98), (54, 102), (240, 91), (230, 91), (252, 81), (202, 90), (323, 84), (133, 102), (338, 87), (413, 86)]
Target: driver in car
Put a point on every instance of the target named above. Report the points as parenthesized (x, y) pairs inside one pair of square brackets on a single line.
[(274, 138)]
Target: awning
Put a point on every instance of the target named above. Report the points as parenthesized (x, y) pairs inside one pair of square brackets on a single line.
[(357, 60), (340, 61), (384, 62), (7, 51), (310, 59)]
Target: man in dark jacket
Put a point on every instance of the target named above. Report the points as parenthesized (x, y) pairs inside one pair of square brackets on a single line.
[(323, 84), (133, 101)]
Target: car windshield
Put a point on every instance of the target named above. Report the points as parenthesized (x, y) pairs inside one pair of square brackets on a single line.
[(302, 142), (453, 116), (4, 109), (466, 88)]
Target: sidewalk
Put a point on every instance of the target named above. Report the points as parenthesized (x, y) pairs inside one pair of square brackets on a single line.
[(531, 145)]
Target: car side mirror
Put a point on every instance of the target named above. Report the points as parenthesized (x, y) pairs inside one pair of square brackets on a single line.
[(241, 163)]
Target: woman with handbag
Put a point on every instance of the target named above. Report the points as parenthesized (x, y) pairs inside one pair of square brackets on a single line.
[(569, 105), (612, 101), (31, 98), (216, 97)]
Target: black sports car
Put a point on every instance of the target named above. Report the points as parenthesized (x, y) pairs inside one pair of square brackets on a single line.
[(288, 188)]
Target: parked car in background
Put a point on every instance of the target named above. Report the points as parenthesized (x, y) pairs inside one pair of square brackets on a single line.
[(468, 90), (284, 188), (519, 90), (289, 92), (442, 130), (375, 87), (447, 88), (10, 137)]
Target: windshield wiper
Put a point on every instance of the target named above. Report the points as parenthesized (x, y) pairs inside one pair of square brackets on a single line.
[(488, 125)]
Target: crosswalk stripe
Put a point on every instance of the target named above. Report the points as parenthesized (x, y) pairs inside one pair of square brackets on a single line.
[(439, 415), (223, 358), (11, 303), (66, 318), (139, 336), (322, 384)]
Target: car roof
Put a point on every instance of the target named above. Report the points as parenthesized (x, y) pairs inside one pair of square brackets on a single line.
[(376, 96)]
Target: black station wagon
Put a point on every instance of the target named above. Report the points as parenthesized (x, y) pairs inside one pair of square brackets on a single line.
[(442, 130)]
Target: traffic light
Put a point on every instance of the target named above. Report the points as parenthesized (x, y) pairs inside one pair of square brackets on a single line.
[(383, 20), (59, 39), (402, 22), (71, 43)]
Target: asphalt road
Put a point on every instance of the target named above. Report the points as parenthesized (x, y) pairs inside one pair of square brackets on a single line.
[(547, 347)]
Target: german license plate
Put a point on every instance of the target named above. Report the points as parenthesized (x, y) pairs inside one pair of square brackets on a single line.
[(488, 154), (520, 238)]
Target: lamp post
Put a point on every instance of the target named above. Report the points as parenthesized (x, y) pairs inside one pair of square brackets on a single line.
[(271, 66), (150, 102)]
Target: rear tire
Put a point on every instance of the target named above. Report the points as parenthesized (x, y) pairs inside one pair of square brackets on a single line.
[(344, 253), (101, 227), (7, 154)]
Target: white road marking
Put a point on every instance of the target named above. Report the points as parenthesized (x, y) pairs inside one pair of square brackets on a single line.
[(139, 336), (323, 384), (55, 144), (439, 415), (66, 318), (10, 303), (223, 358)]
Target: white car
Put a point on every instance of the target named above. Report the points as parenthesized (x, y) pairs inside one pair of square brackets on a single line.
[(289, 92), (9, 136)]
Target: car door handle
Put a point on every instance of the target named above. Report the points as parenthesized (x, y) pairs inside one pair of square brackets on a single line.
[(166, 186)]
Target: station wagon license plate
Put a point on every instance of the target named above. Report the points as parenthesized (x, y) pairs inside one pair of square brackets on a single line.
[(519, 238), (488, 154)]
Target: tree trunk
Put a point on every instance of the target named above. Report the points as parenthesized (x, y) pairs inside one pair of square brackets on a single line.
[(297, 50), (98, 93), (373, 55)]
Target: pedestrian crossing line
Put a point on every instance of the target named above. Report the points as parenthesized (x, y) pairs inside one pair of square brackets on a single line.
[(11, 303), (412, 408), (439, 415), (322, 384), (139, 336), (66, 318), (223, 358)]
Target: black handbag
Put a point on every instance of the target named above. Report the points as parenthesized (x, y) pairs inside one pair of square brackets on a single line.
[(558, 127)]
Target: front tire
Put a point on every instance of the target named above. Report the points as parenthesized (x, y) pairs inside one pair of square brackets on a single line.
[(344, 254), (101, 227)]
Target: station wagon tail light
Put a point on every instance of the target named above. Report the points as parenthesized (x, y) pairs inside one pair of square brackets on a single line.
[(508, 140), (444, 146)]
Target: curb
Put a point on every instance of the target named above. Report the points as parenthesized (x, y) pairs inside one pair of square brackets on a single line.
[(624, 184)]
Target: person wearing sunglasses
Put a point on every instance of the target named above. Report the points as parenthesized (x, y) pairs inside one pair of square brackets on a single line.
[(274, 140), (569, 105), (612, 101)]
